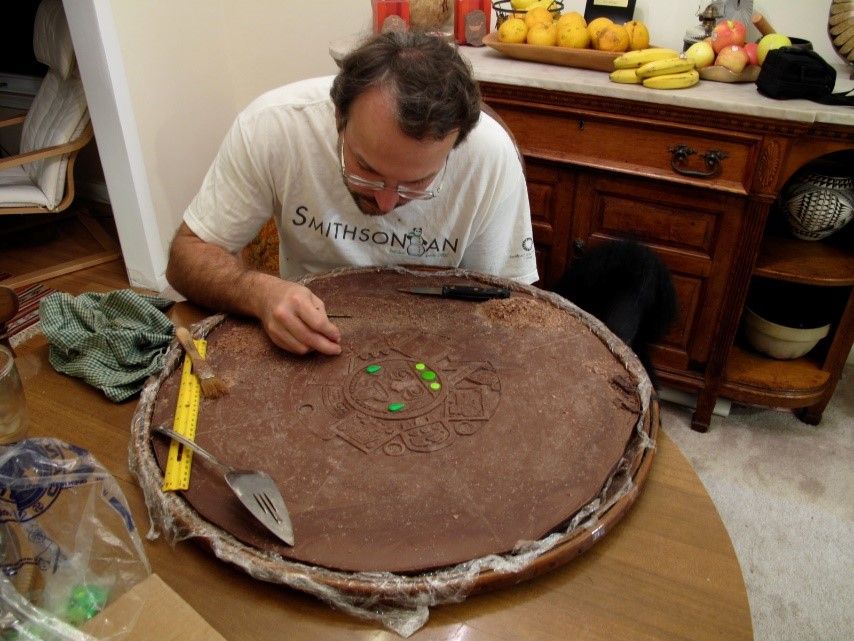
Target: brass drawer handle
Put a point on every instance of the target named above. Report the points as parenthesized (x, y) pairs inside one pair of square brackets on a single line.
[(713, 159)]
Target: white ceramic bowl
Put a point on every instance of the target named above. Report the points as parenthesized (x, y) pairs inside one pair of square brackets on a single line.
[(780, 341)]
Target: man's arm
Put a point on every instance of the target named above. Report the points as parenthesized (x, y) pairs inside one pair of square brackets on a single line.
[(293, 317)]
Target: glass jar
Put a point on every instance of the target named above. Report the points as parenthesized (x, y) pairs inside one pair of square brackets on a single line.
[(13, 405)]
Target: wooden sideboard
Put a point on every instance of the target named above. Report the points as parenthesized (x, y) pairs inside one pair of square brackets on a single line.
[(698, 186)]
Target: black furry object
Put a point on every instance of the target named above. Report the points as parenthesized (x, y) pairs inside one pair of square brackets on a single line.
[(626, 286)]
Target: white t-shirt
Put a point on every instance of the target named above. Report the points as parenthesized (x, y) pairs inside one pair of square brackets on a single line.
[(280, 159)]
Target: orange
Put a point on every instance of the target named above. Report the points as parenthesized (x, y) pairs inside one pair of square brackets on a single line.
[(573, 36), (512, 30), (573, 18), (538, 15), (638, 35), (614, 37), (543, 35), (595, 26)]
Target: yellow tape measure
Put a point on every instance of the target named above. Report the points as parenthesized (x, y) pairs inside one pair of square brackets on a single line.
[(179, 459)]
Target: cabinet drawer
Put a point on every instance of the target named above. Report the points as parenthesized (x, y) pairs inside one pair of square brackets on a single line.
[(721, 160)]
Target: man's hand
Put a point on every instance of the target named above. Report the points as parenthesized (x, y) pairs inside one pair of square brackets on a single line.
[(295, 320), (293, 317)]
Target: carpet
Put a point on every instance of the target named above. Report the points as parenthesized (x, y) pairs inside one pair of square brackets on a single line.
[(25, 323), (783, 489)]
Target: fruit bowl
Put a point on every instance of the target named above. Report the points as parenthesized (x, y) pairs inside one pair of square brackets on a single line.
[(719, 73), (564, 56)]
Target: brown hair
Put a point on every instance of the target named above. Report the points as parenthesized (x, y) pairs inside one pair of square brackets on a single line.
[(435, 91)]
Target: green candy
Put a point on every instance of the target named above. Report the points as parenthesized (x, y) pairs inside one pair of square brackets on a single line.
[(84, 602), (395, 407)]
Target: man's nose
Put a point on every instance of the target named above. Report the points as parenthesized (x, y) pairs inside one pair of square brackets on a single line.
[(387, 199)]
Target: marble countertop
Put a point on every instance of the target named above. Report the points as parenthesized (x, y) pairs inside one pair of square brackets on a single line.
[(741, 98)]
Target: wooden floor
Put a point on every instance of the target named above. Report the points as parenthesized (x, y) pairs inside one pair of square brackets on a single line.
[(26, 247)]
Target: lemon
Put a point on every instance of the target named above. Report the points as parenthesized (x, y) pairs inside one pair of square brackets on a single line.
[(571, 19), (638, 35), (596, 25), (613, 37), (521, 5), (513, 30), (542, 35), (538, 15), (573, 36)]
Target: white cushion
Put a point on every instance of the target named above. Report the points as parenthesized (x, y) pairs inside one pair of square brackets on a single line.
[(17, 190), (52, 39), (58, 115)]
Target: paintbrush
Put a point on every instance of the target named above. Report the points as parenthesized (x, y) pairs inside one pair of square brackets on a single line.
[(212, 386)]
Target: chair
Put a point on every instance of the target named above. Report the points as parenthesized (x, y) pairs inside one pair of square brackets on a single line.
[(39, 179)]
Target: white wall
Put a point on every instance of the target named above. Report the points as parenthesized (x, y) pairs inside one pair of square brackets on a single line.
[(190, 65)]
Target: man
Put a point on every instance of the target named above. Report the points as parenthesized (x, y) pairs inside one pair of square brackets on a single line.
[(389, 163)]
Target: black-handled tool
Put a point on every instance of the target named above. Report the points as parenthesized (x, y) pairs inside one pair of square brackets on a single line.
[(463, 292)]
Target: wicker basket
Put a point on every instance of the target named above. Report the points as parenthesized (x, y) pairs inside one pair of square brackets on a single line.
[(819, 202), (504, 9)]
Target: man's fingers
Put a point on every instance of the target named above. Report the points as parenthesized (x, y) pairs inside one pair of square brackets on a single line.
[(305, 331), (312, 328), (303, 341)]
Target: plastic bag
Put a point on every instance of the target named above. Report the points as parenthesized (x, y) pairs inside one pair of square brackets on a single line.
[(68, 544)]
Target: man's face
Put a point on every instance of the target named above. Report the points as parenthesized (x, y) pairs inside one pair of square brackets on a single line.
[(374, 149)]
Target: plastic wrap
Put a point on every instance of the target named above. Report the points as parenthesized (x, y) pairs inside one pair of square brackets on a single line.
[(401, 602), (68, 544)]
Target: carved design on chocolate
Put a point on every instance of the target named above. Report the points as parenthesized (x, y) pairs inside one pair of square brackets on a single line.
[(397, 382), (427, 438), (412, 397), (365, 432)]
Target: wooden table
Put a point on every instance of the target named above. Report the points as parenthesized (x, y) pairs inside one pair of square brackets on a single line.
[(667, 571)]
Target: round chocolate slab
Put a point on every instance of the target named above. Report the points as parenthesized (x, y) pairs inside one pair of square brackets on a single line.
[(446, 430)]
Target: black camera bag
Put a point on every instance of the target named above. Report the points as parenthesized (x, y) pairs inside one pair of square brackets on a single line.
[(792, 72)]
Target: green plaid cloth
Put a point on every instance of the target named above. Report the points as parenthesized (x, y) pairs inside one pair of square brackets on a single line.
[(112, 341)]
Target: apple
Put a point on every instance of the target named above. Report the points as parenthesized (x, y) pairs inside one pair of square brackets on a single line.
[(769, 42), (752, 51), (727, 33), (701, 53), (734, 58)]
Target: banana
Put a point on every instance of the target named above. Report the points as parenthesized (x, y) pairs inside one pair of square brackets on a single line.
[(673, 80), (666, 66), (634, 59), (625, 76)]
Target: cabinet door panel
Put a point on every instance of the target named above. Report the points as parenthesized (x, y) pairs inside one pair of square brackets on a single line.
[(550, 190), (676, 341), (692, 232)]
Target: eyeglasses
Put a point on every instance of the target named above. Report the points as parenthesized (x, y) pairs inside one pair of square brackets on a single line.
[(379, 185)]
